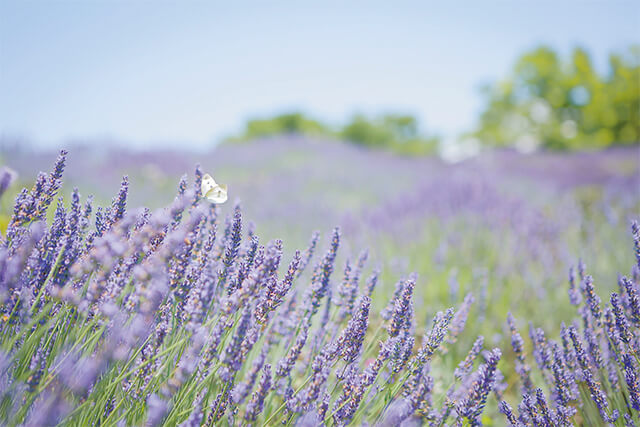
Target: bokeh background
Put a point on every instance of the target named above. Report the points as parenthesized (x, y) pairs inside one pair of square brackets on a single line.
[(488, 146)]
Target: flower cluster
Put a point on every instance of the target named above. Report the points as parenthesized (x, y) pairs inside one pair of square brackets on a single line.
[(116, 316), (592, 372)]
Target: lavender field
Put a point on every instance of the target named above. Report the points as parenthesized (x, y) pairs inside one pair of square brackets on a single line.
[(337, 286)]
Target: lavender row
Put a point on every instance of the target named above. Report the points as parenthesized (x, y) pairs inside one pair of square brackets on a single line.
[(114, 316)]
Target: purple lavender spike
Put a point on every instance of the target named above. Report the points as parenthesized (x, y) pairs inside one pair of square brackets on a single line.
[(157, 410), (403, 348), (508, 412), (460, 319), (593, 300), (7, 176), (352, 337), (628, 421), (197, 186), (631, 378), (544, 409), (622, 323), (322, 274), (634, 300), (255, 406), (232, 359), (397, 412), (372, 281), (594, 351), (565, 387), (472, 406), (595, 389), (286, 364), (401, 310), (387, 312), (235, 238), (53, 184), (522, 368), (466, 365), (635, 232), (435, 337), (574, 293), (308, 253), (119, 204), (195, 418)]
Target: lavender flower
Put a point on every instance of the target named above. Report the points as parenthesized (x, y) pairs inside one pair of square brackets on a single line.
[(544, 408), (308, 253), (254, 407), (322, 273), (622, 323), (508, 412), (286, 364), (460, 319), (401, 309), (631, 378), (472, 406), (634, 300), (466, 365), (574, 292), (635, 232), (7, 176), (595, 388), (592, 299), (351, 339)]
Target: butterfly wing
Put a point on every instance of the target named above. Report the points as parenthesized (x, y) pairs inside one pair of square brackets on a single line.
[(212, 191), (208, 184)]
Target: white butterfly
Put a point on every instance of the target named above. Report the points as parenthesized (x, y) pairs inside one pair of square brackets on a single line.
[(212, 191)]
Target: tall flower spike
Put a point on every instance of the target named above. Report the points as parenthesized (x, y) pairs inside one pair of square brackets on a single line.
[(401, 308), (593, 300), (632, 381), (544, 408), (622, 324), (308, 253), (522, 368), (466, 365), (55, 181), (255, 406), (595, 389), (119, 204), (372, 281), (233, 243), (635, 231), (634, 300), (508, 412), (197, 186), (460, 319), (438, 332), (574, 292), (322, 274), (6, 178), (473, 405), (353, 336)]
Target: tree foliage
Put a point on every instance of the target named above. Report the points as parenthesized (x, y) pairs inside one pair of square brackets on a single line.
[(564, 103), (289, 123), (396, 132)]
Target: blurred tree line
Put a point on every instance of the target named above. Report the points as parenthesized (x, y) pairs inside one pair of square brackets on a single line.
[(396, 132), (545, 102), (564, 103)]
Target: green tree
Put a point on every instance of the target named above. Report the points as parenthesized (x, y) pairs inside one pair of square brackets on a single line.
[(289, 123), (564, 104), (398, 133), (395, 132)]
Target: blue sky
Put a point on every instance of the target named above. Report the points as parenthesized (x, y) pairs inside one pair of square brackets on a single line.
[(190, 72)]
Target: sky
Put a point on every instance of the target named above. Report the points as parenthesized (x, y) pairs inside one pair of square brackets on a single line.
[(188, 73)]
